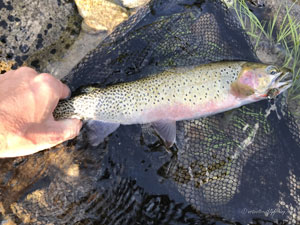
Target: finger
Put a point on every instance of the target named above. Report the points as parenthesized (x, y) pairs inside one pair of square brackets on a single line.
[(67, 129), (20, 72), (66, 92), (7, 73), (54, 132), (61, 89), (26, 70), (36, 140)]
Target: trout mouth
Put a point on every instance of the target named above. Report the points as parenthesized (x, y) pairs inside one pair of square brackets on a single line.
[(280, 82)]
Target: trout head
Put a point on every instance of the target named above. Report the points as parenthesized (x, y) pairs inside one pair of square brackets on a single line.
[(261, 81)]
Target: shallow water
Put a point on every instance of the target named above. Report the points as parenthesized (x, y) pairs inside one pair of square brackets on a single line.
[(235, 167)]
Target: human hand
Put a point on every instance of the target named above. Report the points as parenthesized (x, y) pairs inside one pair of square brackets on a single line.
[(27, 100)]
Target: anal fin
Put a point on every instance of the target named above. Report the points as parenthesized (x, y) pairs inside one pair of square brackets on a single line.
[(98, 130), (166, 129)]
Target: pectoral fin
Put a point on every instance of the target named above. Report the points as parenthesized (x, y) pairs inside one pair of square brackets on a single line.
[(166, 129), (98, 130)]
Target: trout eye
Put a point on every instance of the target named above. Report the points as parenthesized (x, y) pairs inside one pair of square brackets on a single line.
[(272, 70)]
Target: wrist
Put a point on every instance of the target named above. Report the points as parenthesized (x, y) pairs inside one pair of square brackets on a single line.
[(10, 136)]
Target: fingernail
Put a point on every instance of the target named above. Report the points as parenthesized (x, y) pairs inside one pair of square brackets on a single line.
[(69, 93)]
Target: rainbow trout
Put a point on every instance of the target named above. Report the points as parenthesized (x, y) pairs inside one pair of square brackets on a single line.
[(172, 95)]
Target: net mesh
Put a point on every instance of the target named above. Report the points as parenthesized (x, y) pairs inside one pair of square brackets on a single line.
[(190, 33)]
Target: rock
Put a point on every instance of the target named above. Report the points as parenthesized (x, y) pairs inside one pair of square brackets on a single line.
[(83, 44), (100, 18), (45, 35), (101, 15), (6, 66), (134, 3), (36, 32)]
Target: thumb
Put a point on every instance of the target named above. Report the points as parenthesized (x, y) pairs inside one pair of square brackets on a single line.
[(65, 129), (54, 132), (43, 136)]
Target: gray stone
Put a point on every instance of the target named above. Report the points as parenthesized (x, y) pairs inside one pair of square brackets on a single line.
[(35, 32), (133, 3)]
